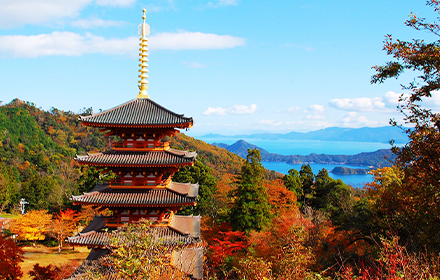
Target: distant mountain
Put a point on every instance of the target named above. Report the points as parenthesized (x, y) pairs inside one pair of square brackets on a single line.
[(364, 134), (241, 147), (379, 158)]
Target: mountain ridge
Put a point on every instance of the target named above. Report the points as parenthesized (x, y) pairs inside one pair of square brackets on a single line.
[(382, 134), (379, 158)]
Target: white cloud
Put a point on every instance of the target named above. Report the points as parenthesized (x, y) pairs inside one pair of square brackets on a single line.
[(317, 108), (115, 3), (74, 44), (236, 110), (194, 64), (184, 40), (308, 124), (352, 119), (270, 122), (14, 13), (391, 99), (65, 43), (314, 112), (243, 109), (97, 22), (215, 111), (432, 102), (293, 109), (363, 104)]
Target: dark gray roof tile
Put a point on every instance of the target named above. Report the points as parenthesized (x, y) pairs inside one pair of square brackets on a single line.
[(135, 197), (138, 113), (142, 159)]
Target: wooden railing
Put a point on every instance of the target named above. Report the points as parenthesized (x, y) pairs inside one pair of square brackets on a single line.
[(117, 221), (136, 182), (140, 145)]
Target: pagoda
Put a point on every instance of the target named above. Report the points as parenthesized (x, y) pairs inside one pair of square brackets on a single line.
[(143, 165)]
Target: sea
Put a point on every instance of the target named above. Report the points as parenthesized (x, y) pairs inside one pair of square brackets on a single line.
[(306, 147)]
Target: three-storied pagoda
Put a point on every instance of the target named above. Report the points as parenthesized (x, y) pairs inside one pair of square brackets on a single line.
[(144, 166)]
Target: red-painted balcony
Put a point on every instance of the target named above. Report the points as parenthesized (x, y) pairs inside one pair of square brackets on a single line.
[(140, 145), (137, 182)]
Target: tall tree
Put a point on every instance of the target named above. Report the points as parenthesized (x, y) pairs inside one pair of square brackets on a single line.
[(307, 179), (63, 225), (251, 210), (420, 158), (292, 181), (200, 174)]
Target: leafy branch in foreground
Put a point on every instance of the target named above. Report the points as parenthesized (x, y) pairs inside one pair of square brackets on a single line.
[(419, 159), (140, 251)]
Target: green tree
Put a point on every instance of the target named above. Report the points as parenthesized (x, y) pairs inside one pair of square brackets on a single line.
[(251, 210), (292, 181), (419, 193), (331, 196), (200, 174), (307, 179)]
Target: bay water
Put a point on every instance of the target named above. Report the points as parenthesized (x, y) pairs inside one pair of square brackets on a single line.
[(306, 147)]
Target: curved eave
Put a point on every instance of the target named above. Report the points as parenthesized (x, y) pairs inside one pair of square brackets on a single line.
[(109, 125), (137, 165), (136, 205)]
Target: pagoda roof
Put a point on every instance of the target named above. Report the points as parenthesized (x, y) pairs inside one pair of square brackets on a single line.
[(182, 229), (190, 261), (96, 224), (93, 260), (137, 113), (103, 238), (165, 158), (121, 197), (188, 225)]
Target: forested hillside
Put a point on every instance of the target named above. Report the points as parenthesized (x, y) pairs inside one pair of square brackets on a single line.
[(37, 150)]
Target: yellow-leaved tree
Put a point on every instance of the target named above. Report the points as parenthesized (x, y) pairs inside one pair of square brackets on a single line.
[(31, 226)]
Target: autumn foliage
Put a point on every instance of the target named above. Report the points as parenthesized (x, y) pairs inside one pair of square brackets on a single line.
[(32, 226), (10, 257), (227, 245), (63, 225)]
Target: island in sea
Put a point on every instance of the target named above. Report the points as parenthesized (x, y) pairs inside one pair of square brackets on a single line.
[(372, 160)]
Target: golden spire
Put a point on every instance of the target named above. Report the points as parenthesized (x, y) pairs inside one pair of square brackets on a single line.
[(143, 59)]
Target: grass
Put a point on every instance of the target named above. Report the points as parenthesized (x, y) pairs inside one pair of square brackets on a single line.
[(8, 216), (49, 255)]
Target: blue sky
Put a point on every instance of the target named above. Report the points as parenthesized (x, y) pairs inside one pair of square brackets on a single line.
[(235, 66)]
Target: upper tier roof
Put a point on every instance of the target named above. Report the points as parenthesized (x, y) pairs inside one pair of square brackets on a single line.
[(184, 229), (164, 158), (167, 197), (137, 113)]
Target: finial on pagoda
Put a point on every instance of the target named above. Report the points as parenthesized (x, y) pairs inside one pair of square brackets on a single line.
[(144, 31)]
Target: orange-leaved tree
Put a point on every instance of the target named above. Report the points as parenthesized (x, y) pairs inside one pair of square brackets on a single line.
[(419, 158), (31, 226), (63, 225), (280, 198), (285, 246)]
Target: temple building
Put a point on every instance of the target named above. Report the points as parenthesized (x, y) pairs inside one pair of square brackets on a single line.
[(143, 165)]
